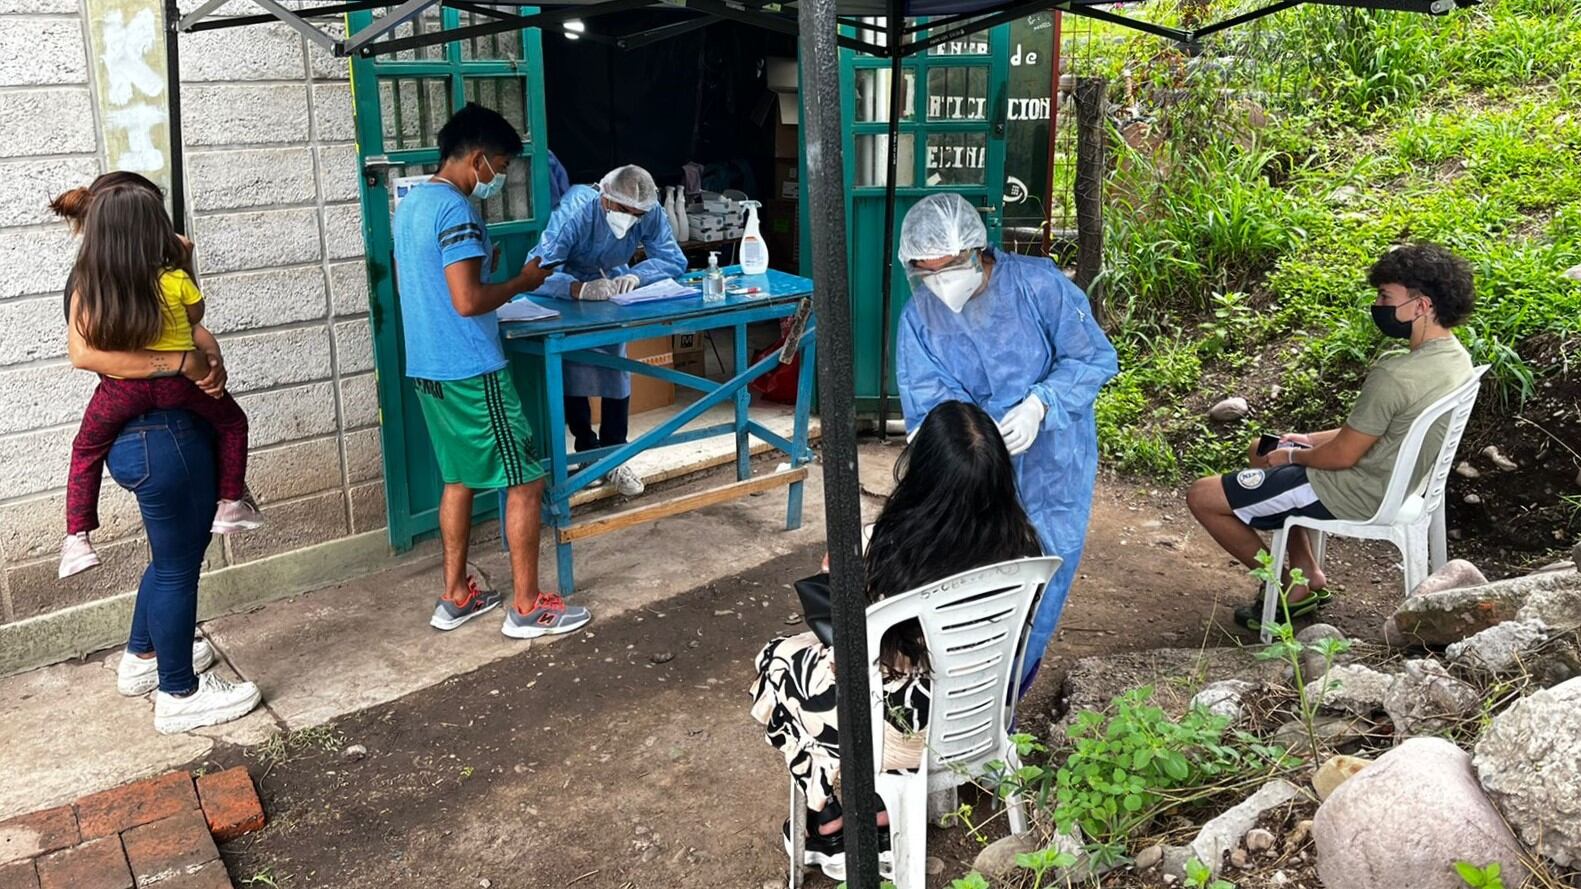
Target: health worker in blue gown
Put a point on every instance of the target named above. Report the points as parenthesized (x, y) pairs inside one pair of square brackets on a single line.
[(1012, 335), (595, 232)]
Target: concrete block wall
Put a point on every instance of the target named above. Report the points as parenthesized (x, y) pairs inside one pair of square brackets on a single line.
[(272, 206)]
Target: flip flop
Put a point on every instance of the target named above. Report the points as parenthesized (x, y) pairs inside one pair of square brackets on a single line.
[(1250, 615)]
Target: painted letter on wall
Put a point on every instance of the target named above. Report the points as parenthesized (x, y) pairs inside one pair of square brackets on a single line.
[(129, 70)]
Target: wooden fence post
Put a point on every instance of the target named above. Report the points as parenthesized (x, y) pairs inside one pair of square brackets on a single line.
[(1091, 147)]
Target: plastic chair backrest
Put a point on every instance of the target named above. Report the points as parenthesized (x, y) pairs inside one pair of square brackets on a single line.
[(1458, 405), (975, 625)]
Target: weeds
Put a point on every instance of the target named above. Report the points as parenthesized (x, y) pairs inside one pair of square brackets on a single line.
[(1288, 648)]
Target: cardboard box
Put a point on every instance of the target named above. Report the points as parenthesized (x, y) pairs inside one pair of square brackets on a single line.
[(647, 393), (688, 352), (782, 75)]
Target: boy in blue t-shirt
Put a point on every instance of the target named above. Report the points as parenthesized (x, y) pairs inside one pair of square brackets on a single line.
[(443, 262)]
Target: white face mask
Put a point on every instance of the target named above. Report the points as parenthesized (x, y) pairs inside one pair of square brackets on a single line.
[(954, 287), (620, 223)]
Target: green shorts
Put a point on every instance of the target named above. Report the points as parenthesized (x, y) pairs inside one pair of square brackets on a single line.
[(479, 432)]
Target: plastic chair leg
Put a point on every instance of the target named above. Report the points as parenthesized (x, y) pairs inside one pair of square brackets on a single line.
[(1271, 589), (797, 858), (1437, 540), (1416, 557), (1319, 542), (906, 798), (1015, 806)]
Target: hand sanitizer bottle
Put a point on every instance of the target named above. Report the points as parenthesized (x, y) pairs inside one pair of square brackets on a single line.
[(754, 252), (714, 281)]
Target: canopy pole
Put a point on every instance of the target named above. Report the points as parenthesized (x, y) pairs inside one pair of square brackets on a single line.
[(178, 172), (820, 54), (897, 95), (1053, 134)]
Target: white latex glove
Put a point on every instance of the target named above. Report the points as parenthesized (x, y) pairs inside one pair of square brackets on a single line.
[(599, 289), (626, 283), (1021, 424)]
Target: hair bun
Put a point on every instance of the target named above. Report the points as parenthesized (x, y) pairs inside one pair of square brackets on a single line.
[(72, 204)]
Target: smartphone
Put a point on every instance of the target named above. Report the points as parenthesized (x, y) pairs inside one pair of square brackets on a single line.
[(1266, 444)]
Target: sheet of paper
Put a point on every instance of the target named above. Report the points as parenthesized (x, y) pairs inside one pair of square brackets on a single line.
[(663, 289), (525, 310)]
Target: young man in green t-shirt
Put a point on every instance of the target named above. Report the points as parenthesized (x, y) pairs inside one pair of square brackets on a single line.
[(1423, 292)]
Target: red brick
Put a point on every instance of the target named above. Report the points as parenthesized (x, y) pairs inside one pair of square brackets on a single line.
[(96, 864), (210, 875), (230, 803), (39, 833), (18, 875), (136, 804), (169, 846)]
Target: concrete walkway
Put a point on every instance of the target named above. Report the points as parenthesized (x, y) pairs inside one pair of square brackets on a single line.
[(66, 732)]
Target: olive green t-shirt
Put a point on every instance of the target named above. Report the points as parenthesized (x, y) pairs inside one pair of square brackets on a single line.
[(1397, 389)]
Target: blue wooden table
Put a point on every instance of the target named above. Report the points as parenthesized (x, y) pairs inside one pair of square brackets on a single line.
[(583, 326)]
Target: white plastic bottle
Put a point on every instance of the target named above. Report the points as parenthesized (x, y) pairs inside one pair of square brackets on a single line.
[(683, 227), (669, 211), (714, 281), (754, 252)]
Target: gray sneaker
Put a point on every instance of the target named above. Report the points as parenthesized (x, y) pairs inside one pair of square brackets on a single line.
[(448, 615), (550, 616)]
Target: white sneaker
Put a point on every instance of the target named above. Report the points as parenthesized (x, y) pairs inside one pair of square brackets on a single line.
[(76, 555), (626, 480), (216, 701), (138, 676), (231, 516)]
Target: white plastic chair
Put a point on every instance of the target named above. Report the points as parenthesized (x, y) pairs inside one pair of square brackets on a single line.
[(975, 625), (1412, 520)]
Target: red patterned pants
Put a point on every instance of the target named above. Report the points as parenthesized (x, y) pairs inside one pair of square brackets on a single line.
[(115, 403)]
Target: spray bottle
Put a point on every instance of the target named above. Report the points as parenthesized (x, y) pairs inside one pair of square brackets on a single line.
[(714, 281), (754, 252)]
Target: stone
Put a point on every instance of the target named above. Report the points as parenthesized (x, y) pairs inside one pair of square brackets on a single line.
[(1455, 574), (1332, 731), (1425, 698), (1448, 616), (1499, 649), (1351, 688), (38, 833), (934, 866), (1334, 771), (1224, 832), (1492, 455), (1464, 469), (1223, 698), (1229, 410), (169, 845), (1149, 858), (1174, 863), (997, 860), (1298, 835), (1529, 761), (132, 805), (1240, 859), (354, 753), (96, 864), (1260, 840), (1407, 819), (1313, 663), (1573, 273)]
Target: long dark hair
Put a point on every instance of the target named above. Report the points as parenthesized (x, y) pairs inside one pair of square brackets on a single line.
[(954, 508), (127, 243)]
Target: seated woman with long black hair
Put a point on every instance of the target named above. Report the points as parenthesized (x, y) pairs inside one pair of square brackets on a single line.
[(954, 508)]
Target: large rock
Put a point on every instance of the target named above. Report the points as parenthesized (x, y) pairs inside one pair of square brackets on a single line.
[(1456, 574), (998, 859), (1313, 663), (1092, 682), (1425, 699), (1448, 616), (1529, 759), (1351, 688), (1332, 731), (1223, 698), (1500, 649), (1229, 410), (1407, 819), (1224, 833)]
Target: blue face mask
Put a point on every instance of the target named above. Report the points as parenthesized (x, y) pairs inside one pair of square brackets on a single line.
[(485, 190)]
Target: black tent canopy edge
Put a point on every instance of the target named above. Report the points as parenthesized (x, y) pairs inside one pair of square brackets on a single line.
[(948, 19)]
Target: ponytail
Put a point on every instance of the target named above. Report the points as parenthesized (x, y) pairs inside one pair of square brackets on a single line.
[(72, 205)]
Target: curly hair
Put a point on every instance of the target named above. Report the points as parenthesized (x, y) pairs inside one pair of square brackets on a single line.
[(1434, 272)]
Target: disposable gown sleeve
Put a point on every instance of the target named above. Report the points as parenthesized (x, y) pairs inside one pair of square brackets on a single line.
[(1084, 358), (564, 231), (664, 256), (924, 381)]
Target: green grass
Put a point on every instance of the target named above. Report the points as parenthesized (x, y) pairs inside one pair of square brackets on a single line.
[(1231, 245)]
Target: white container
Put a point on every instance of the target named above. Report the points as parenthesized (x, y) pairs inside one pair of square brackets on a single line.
[(754, 251)]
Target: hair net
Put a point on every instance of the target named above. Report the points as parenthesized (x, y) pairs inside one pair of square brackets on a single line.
[(941, 224), (630, 185)]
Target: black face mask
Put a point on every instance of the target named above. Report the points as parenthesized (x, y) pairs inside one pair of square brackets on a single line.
[(1389, 323)]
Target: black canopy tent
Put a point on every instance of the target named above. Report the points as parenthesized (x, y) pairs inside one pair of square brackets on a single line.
[(817, 24)]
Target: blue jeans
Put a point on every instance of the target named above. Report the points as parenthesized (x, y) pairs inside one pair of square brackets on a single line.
[(166, 459)]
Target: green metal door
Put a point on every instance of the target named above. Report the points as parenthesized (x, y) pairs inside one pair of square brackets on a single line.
[(952, 138), (401, 101)]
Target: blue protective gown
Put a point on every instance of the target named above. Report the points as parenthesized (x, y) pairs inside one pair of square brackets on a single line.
[(1029, 332), (579, 236)]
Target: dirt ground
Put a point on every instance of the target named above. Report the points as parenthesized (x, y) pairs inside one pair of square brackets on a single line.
[(624, 757)]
